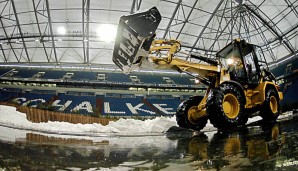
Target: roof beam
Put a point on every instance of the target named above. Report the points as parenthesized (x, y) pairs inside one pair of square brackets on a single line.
[(4, 56), (9, 41), (289, 47), (133, 6), (85, 29), (286, 33), (136, 4), (171, 19), (6, 2), (39, 30), (206, 25), (20, 30), (261, 34), (218, 32), (51, 30), (187, 18), (139, 5), (293, 9)]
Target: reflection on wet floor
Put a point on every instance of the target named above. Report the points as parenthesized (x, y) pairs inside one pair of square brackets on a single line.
[(255, 147), (241, 149)]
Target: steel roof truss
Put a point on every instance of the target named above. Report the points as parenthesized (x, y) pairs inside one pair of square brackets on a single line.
[(39, 30), (172, 18), (51, 32), (263, 37), (186, 19), (219, 33), (20, 30), (85, 29), (9, 41), (273, 29), (206, 25), (4, 56)]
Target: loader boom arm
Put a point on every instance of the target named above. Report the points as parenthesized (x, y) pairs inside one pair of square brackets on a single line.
[(136, 47), (169, 61)]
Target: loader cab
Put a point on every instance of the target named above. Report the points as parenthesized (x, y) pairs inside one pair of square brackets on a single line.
[(241, 62)]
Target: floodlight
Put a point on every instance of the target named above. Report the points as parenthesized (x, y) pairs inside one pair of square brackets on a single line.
[(107, 32), (61, 30)]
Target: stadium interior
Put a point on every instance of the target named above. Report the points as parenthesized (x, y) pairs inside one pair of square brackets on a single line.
[(57, 55)]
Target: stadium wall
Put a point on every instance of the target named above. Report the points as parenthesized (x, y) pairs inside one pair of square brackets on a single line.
[(286, 73)]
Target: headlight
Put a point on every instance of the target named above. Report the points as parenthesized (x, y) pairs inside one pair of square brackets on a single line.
[(230, 61)]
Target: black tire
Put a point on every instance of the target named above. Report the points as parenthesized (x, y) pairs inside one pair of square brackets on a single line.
[(215, 107), (270, 109), (182, 114)]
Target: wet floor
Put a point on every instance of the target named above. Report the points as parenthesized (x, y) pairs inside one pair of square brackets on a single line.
[(254, 147)]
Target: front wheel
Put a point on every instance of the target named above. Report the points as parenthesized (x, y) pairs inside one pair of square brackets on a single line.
[(225, 107), (185, 111), (270, 108)]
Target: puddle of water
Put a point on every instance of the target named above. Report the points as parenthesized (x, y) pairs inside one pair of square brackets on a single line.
[(256, 147)]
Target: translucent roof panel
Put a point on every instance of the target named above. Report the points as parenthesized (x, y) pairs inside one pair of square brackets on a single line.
[(68, 32)]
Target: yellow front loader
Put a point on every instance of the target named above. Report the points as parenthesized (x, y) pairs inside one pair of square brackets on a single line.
[(238, 79)]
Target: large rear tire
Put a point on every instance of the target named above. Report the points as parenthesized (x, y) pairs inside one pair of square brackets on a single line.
[(270, 109), (183, 112), (225, 107)]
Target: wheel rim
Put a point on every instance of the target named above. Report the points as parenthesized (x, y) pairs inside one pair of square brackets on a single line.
[(273, 104), (230, 106), (191, 114), (194, 115)]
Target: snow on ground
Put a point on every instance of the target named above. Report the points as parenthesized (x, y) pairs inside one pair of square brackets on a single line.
[(12, 118), (159, 125)]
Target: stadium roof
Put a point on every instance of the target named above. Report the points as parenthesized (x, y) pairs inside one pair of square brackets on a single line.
[(70, 32)]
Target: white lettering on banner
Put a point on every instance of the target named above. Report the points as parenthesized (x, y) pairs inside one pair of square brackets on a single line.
[(62, 107), (120, 53), (129, 36), (164, 110), (129, 50), (34, 100), (134, 109), (107, 109), (19, 100), (84, 106)]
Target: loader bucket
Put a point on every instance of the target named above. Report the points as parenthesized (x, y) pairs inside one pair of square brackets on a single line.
[(134, 37)]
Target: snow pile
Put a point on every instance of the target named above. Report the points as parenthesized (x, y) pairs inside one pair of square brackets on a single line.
[(12, 118)]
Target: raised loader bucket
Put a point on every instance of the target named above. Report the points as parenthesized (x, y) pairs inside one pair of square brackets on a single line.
[(134, 37)]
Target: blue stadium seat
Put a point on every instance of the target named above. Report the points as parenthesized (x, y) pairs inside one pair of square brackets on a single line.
[(117, 77), (84, 76), (25, 73), (149, 78), (53, 74), (4, 70)]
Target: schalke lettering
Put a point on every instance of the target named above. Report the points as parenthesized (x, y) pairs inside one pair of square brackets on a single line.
[(125, 109)]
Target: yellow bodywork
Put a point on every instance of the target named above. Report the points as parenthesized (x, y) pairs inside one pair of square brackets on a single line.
[(257, 96), (254, 96)]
